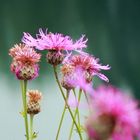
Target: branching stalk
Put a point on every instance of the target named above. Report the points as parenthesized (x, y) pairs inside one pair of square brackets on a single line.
[(57, 80), (62, 118), (76, 112)]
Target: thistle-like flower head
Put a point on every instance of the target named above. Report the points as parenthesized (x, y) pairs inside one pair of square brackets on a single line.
[(24, 54), (53, 41), (88, 64), (24, 63), (115, 115)]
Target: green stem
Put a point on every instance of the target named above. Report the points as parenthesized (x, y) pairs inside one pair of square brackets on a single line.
[(76, 111), (57, 80), (24, 89), (61, 120), (87, 101), (86, 97), (78, 108), (31, 126)]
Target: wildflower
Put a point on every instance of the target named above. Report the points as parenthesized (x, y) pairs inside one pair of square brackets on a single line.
[(75, 77), (33, 105), (24, 54), (24, 63), (89, 64), (57, 44), (85, 66), (115, 116)]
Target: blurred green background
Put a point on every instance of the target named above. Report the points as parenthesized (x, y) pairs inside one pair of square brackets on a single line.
[(112, 27)]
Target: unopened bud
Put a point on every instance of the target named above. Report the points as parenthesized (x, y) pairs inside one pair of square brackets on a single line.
[(54, 57), (33, 105)]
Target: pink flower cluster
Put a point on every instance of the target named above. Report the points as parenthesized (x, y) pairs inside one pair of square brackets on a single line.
[(25, 61), (57, 44), (115, 116)]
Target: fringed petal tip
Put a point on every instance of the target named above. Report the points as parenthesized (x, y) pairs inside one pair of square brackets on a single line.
[(103, 77), (28, 40)]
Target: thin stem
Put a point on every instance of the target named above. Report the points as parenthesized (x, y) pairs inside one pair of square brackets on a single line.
[(24, 89), (78, 115), (76, 111), (31, 126), (57, 80), (86, 97), (61, 120), (78, 108), (87, 101)]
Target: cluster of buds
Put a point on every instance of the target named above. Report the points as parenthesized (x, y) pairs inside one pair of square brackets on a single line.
[(24, 64), (33, 105)]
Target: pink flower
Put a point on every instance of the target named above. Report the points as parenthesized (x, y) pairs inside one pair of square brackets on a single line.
[(58, 45), (115, 116), (89, 64), (29, 40), (25, 60), (53, 41), (80, 81), (75, 77), (24, 54)]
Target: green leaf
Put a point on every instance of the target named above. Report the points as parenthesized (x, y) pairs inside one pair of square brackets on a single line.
[(22, 113), (34, 136)]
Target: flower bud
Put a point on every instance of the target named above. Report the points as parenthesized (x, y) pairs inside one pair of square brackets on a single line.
[(55, 57), (27, 72), (66, 83), (33, 108), (33, 105)]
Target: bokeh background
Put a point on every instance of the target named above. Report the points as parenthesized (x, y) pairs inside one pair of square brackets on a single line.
[(113, 31)]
